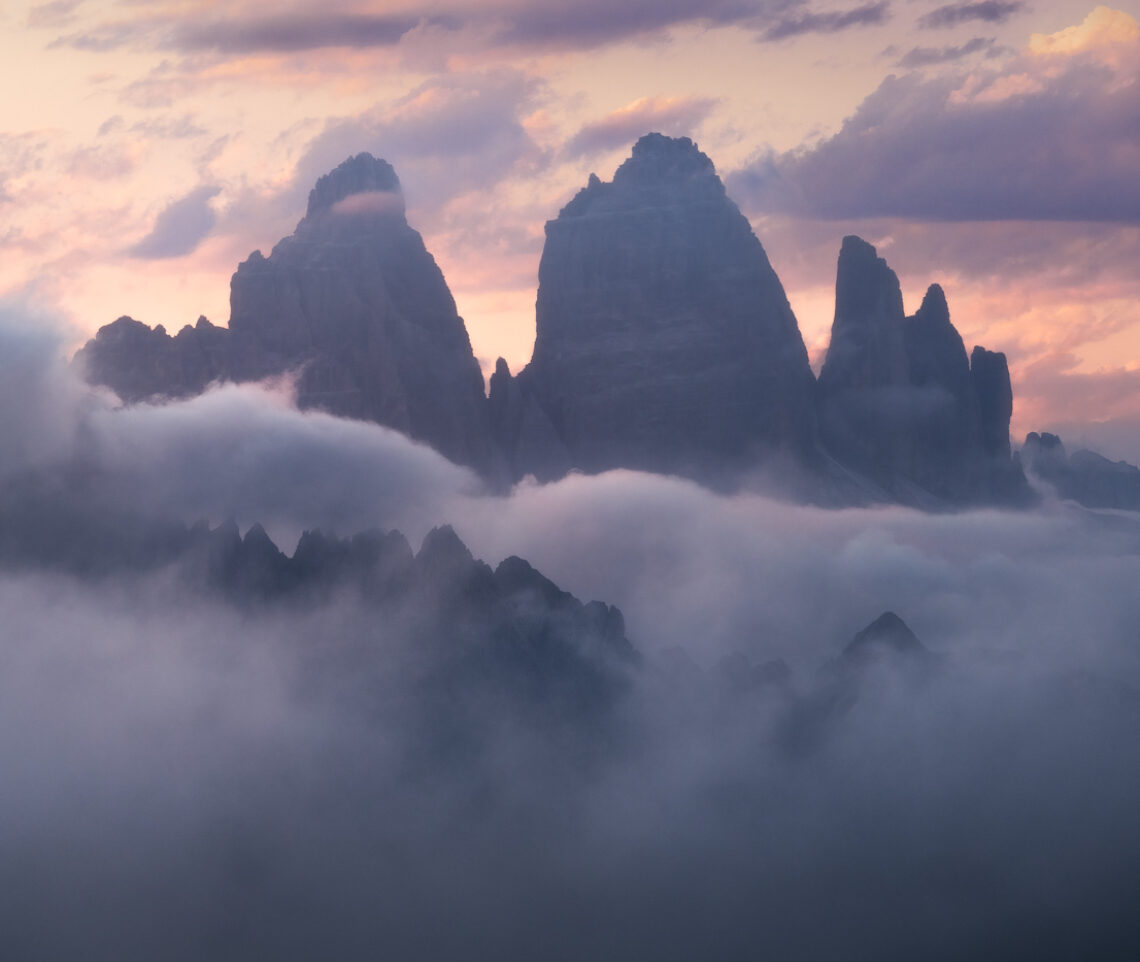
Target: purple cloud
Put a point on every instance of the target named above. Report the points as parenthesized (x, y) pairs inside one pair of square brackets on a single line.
[(1026, 144), (670, 115), (987, 11), (180, 227), (932, 56), (545, 23), (869, 14)]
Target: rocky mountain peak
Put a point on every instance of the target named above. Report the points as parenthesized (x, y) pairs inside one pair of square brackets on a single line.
[(657, 158), (934, 308), (866, 289), (664, 340), (888, 632), (359, 175)]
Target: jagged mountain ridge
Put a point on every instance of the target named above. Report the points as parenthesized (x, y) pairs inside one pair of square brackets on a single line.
[(467, 624), (664, 342), (1083, 476), (900, 401), (352, 301)]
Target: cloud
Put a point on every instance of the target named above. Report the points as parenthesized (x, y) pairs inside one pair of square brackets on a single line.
[(39, 401), (870, 14), (1053, 388), (251, 28), (596, 22), (279, 763), (987, 11), (932, 56), (1050, 136), (284, 33), (675, 116), (57, 13), (180, 226), (449, 137)]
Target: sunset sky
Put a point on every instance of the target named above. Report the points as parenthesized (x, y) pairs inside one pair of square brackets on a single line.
[(148, 146)]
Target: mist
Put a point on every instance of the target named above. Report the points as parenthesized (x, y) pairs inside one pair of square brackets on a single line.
[(187, 777)]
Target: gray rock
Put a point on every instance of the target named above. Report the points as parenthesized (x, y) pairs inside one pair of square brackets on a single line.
[(353, 301), (1084, 476), (664, 340), (900, 402)]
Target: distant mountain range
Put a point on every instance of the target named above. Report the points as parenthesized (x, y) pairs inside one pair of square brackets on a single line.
[(664, 342)]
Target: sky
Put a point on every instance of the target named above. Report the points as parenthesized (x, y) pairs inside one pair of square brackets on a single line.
[(148, 146)]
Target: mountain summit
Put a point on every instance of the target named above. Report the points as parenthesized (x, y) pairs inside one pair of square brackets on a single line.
[(352, 301), (664, 340)]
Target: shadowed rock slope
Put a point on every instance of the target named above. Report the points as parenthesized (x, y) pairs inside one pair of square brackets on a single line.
[(1083, 476), (664, 343), (664, 340), (352, 301), (901, 404)]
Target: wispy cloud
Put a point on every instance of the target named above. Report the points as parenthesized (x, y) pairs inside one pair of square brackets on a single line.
[(932, 56), (619, 128), (870, 14), (180, 227), (987, 11)]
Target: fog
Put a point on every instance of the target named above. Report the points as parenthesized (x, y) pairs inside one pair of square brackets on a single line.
[(190, 778)]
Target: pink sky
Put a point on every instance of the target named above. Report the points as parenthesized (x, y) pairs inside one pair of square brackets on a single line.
[(146, 147)]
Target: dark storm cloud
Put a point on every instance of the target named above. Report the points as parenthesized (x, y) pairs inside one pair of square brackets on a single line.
[(932, 56), (870, 14), (987, 11), (1025, 144), (180, 227), (675, 116)]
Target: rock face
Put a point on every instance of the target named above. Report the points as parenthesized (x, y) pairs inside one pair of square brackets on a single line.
[(352, 301), (664, 339), (1083, 476), (664, 342), (900, 402)]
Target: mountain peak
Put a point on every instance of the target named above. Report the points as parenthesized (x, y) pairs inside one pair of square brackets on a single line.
[(362, 174), (887, 632), (657, 158), (934, 305)]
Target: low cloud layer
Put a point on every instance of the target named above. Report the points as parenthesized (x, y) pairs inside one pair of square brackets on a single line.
[(1050, 136), (187, 778)]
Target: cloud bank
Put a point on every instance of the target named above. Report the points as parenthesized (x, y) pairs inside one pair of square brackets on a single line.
[(187, 778), (1051, 136)]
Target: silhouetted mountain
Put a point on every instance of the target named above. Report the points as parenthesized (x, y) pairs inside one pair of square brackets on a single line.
[(888, 634), (664, 340), (886, 645), (900, 402), (1083, 476), (353, 301)]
